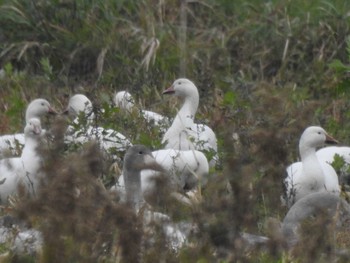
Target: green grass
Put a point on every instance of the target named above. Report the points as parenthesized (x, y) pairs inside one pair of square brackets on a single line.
[(265, 70)]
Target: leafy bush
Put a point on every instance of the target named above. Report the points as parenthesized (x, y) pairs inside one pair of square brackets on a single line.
[(264, 69)]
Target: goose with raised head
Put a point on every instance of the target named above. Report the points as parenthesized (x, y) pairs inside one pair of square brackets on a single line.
[(80, 106), (184, 133), (126, 102), (185, 170), (24, 169), (136, 159), (11, 144), (310, 175)]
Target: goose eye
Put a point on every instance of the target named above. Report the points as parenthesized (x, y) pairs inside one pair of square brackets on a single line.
[(179, 83), (42, 104), (319, 132), (140, 152)]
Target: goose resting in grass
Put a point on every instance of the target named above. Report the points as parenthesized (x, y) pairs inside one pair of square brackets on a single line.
[(126, 102), (320, 209), (185, 169), (310, 175), (24, 169), (313, 207), (13, 143), (136, 159), (327, 154), (184, 133), (80, 107)]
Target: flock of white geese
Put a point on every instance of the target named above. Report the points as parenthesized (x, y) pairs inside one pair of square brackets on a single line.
[(310, 184)]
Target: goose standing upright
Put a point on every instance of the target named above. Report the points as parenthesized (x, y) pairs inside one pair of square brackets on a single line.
[(25, 169), (108, 139), (184, 133), (136, 159), (309, 175), (36, 109)]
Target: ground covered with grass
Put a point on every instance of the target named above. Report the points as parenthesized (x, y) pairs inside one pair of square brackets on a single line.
[(265, 71)]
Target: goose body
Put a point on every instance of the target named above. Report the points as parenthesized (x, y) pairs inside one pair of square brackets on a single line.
[(24, 169), (327, 154), (309, 175), (136, 159), (310, 207), (184, 133), (109, 140), (11, 144), (186, 170), (126, 102)]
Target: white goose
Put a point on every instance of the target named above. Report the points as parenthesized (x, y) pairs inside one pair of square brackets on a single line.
[(310, 175), (327, 154), (186, 169), (25, 169), (126, 102), (184, 133), (80, 106), (137, 158), (13, 143)]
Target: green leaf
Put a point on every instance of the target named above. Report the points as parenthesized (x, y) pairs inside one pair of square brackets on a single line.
[(339, 66), (230, 98), (8, 69)]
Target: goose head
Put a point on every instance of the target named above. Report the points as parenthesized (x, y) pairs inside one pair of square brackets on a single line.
[(314, 137), (78, 104), (124, 100), (138, 158), (33, 128), (38, 108), (182, 88)]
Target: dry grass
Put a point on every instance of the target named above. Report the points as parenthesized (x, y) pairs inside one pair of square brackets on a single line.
[(265, 71)]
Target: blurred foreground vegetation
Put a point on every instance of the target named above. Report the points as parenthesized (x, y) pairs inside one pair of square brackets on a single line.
[(265, 70)]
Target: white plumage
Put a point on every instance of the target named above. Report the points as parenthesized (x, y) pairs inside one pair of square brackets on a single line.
[(184, 133), (13, 143), (24, 169), (310, 175), (110, 140), (126, 102), (186, 169), (327, 154)]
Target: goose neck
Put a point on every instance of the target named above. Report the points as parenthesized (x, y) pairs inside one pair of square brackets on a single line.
[(311, 167), (307, 153), (190, 106), (132, 180)]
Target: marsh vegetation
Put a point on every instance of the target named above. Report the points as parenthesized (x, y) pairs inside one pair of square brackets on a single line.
[(265, 71)]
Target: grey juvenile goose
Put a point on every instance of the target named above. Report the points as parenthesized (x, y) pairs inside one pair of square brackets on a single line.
[(137, 158)]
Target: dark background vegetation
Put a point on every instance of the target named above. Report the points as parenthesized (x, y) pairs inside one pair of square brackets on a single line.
[(265, 70)]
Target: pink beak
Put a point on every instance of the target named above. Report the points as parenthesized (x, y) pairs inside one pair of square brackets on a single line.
[(169, 90)]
